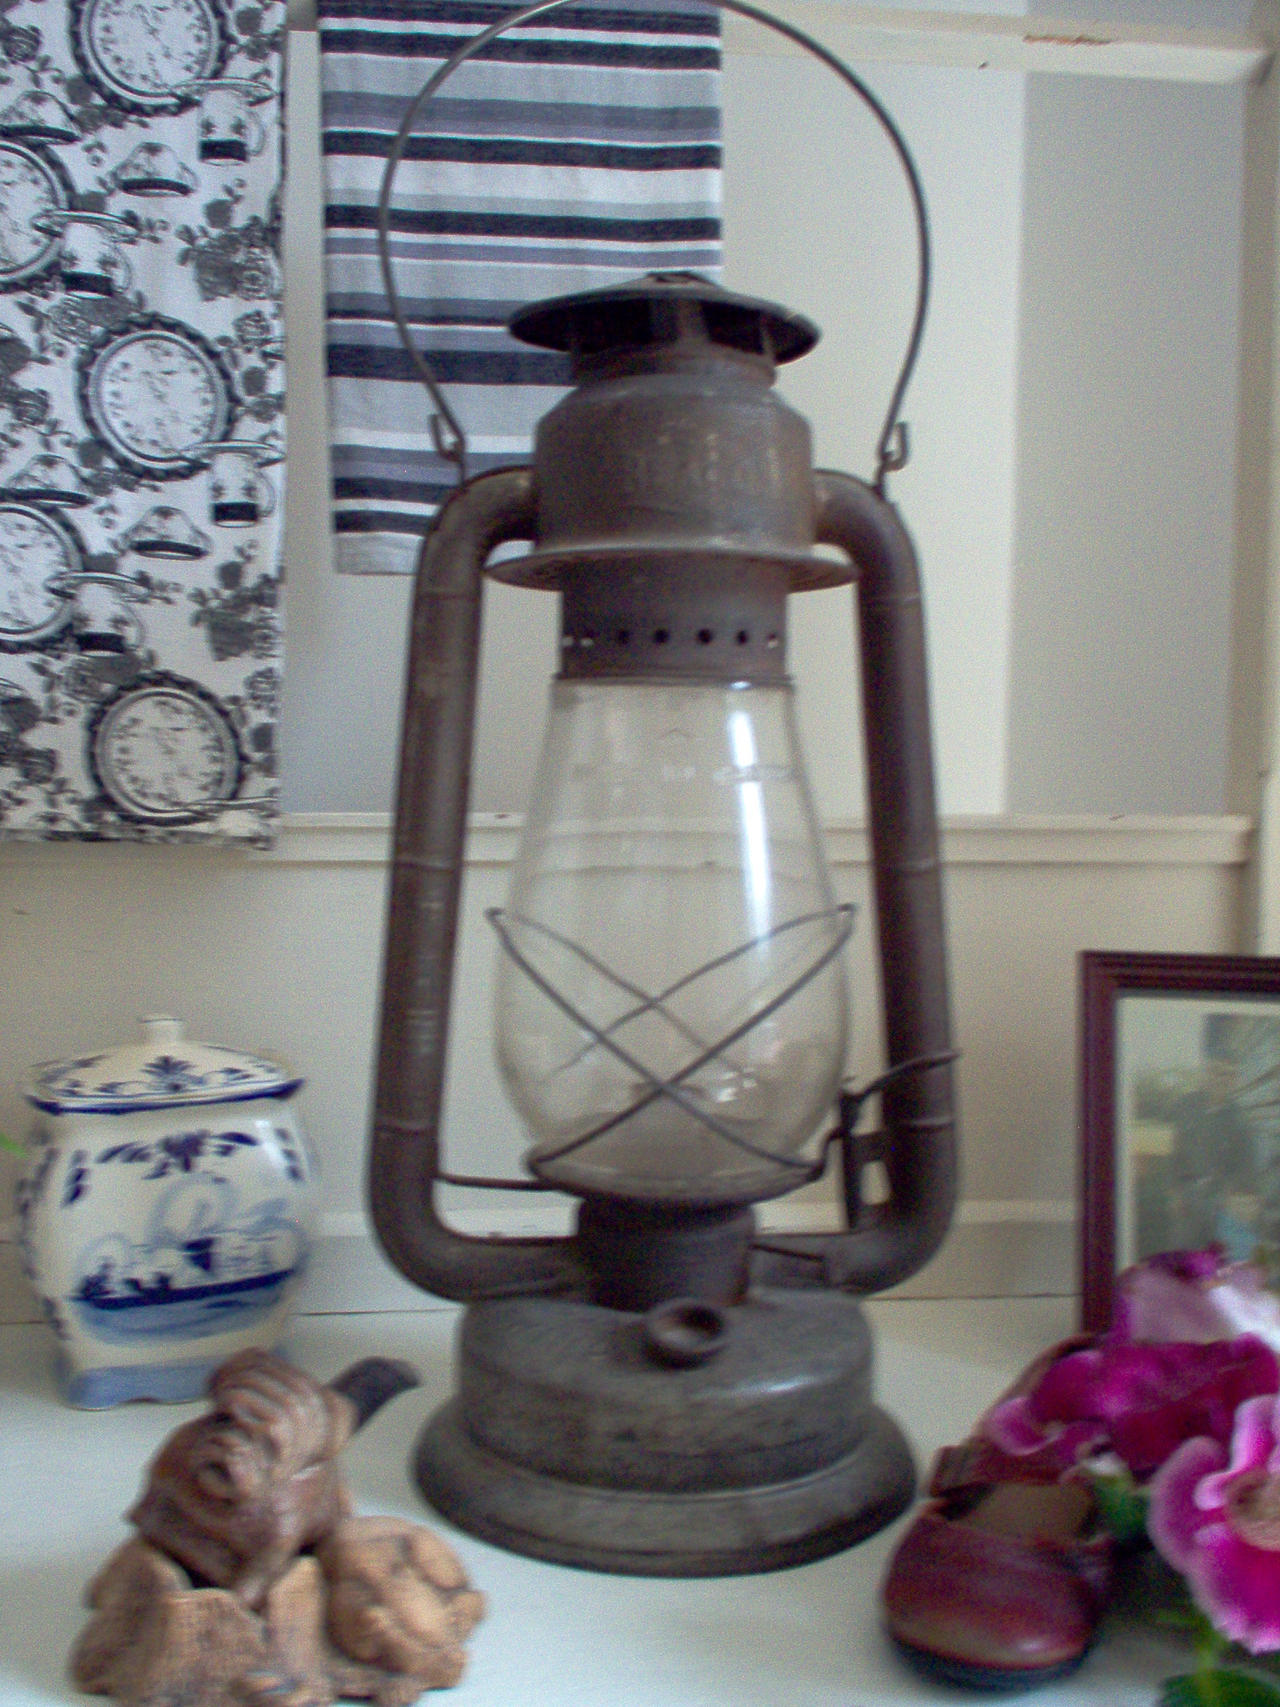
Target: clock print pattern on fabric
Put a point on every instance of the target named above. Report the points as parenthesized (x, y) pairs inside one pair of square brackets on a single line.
[(161, 747), (157, 395), (145, 55), (141, 418)]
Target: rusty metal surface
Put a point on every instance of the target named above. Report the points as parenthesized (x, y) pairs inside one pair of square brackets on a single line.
[(672, 442), (919, 1145), (640, 1255), (656, 312), (568, 1442), (694, 617), (422, 915), (571, 1391)]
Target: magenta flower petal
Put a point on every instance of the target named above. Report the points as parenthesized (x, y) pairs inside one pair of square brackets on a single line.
[(1013, 1425), (1253, 1439), (1194, 1295), (1141, 1401), (1203, 1386), (1206, 1264), (1051, 1449), (1214, 1514), (1238, 1586), (1252, 1448), (1157, 1301), (1174, 1516)]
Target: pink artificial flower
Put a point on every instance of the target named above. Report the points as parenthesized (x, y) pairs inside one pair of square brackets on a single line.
[(1215, 1516), (1139, 1401)]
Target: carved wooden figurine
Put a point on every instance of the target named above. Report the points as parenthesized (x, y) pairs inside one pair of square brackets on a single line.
[(251, 1581)]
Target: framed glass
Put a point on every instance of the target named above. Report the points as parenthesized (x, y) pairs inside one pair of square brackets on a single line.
[(1180, 1112)]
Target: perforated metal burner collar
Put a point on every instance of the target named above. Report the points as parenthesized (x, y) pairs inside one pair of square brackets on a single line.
[(675, 490)]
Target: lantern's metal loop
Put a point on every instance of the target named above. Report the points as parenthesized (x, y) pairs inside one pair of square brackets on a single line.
[(673, 1088), (447, 430), (853, 1096), (843, 1136)]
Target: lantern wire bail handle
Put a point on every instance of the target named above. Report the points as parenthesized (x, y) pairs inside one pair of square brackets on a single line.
[(447, 432)]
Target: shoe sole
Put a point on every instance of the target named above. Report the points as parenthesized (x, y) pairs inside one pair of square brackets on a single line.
[(994, 1680)]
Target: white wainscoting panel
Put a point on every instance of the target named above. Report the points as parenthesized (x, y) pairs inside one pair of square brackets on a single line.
[(280, 953)]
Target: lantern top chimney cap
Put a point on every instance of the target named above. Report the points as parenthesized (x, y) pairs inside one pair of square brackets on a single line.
[(663, 308)]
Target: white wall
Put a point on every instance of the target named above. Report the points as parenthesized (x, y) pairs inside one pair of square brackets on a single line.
[(816, 216), (1078, 378), (1127, 410), (819, 219)]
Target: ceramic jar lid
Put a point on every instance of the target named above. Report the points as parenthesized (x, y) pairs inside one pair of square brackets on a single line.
[(163, 1069)]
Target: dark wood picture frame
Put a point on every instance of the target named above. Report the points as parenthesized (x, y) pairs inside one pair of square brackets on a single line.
[(1245, 989)]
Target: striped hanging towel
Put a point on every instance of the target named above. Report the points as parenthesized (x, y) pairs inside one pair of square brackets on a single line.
[(571, 153)]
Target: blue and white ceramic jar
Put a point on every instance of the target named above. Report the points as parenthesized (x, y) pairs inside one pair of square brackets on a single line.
[(165, 1212)]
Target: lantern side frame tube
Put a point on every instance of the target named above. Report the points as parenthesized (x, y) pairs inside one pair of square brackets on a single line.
[(888, 1242), (427, 859)]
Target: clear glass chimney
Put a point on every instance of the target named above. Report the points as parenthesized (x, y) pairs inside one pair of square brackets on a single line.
[(671, 1013)]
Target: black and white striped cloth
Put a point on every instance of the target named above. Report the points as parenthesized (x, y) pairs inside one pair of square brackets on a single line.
[(578, 150)]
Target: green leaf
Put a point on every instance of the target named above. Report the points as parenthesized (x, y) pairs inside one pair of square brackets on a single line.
[(1121, 1506), (12, 1145), (1219, 1688), (1181, 1692)]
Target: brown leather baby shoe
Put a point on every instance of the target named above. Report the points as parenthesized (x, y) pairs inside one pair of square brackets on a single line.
[(998, 1584)]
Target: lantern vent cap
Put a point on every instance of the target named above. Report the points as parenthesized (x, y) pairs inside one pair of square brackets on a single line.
[(663, 309)]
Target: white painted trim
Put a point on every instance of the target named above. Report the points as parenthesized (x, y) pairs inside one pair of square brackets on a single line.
[(782, 1215), (363, 838), (994, 1249), (981, 42)]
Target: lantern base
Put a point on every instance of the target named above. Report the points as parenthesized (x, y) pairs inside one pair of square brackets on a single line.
[(570, 1441)]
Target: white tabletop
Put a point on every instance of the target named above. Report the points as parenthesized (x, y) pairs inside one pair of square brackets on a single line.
[(554, 1636)]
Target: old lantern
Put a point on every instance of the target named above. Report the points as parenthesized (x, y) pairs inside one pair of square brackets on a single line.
[(665, 1391)]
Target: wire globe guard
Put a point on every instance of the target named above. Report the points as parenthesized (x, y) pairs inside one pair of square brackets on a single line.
[(577, 1435)]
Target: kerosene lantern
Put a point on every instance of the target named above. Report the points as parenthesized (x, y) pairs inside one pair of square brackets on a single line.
[(666, 1390)]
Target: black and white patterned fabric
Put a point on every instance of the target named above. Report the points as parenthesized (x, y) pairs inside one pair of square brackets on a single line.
[(141, 418), (576, 151)]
